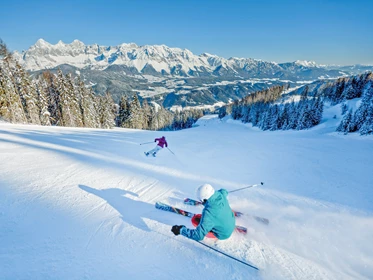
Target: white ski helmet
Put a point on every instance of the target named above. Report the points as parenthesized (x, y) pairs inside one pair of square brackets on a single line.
[(205, 192)]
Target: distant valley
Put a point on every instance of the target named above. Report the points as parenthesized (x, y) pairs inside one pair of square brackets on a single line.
[(172, 77)]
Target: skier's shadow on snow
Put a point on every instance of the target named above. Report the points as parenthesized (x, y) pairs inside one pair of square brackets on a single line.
[(131, 211)]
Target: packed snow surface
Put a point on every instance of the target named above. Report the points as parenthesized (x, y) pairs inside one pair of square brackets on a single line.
[(79, 203)]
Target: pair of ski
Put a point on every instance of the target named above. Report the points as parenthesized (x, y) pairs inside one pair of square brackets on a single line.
[(165, 207), (265, 221)]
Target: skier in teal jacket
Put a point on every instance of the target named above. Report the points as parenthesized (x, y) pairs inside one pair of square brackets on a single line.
[(217, 216)]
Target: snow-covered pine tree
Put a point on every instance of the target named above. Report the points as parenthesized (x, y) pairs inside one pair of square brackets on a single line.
[(284, 117), (265, 119), (236, 110), (135, 113), (42, 90), (338, 94), (365, 109), (106, 111), (293, 116), (28, 95), (344, 108), (255, 112), (70, 109), (4, 110), (177, 121), (349, 91), (367, 127), (147, 114), (65, 93), (316, 107), (76, 98), (165, 118), (274, 122), (87, 105), (154, 123), (61, 91), (186, 119), (357, 84), (11, 107), (32, 101), (345, 123), (123, 111), (53, 97), (303, 120), (245, 113), (93, 110)]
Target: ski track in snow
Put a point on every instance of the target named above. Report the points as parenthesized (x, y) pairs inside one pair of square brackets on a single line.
[(79, 203)]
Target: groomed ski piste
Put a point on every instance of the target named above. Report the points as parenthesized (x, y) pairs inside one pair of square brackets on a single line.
[(79, 203)]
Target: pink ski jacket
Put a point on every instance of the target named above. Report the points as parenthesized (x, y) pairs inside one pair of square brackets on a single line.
[(161, 141)]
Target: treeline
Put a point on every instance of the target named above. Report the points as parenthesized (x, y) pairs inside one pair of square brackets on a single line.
[(362, 119), (261, 109), (347, 88), (133, 114), (64, 100), (259, 97)]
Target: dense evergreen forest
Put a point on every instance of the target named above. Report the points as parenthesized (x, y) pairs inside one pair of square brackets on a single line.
[(62, 100), (268, 111)]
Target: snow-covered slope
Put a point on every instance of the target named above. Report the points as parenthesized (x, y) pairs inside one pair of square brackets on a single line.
[(79, 203)]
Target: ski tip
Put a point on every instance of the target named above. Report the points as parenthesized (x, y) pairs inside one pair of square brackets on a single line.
[(190, 201), (241, 229), (238, 214)]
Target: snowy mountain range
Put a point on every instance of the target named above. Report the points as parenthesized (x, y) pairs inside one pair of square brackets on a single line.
[(155, 60), (164, 73)]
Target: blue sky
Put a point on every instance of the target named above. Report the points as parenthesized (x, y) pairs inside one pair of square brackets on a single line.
[(328, 31)]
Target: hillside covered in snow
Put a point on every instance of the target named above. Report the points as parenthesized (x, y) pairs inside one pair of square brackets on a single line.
[(79, 203)]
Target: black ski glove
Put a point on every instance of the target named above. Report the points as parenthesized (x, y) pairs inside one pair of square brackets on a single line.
[(176, 229)]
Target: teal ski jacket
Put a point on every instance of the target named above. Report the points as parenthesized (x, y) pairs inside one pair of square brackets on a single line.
[(217, 216)]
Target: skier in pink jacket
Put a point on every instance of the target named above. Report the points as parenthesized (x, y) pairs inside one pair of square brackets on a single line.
[(161, 143)]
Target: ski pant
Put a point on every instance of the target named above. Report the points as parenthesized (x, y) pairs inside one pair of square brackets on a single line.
[(155, 150)]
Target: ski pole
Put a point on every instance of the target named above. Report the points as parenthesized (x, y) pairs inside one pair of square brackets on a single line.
[(233, 258), (261, 184), (146, 143), (170, 150)]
